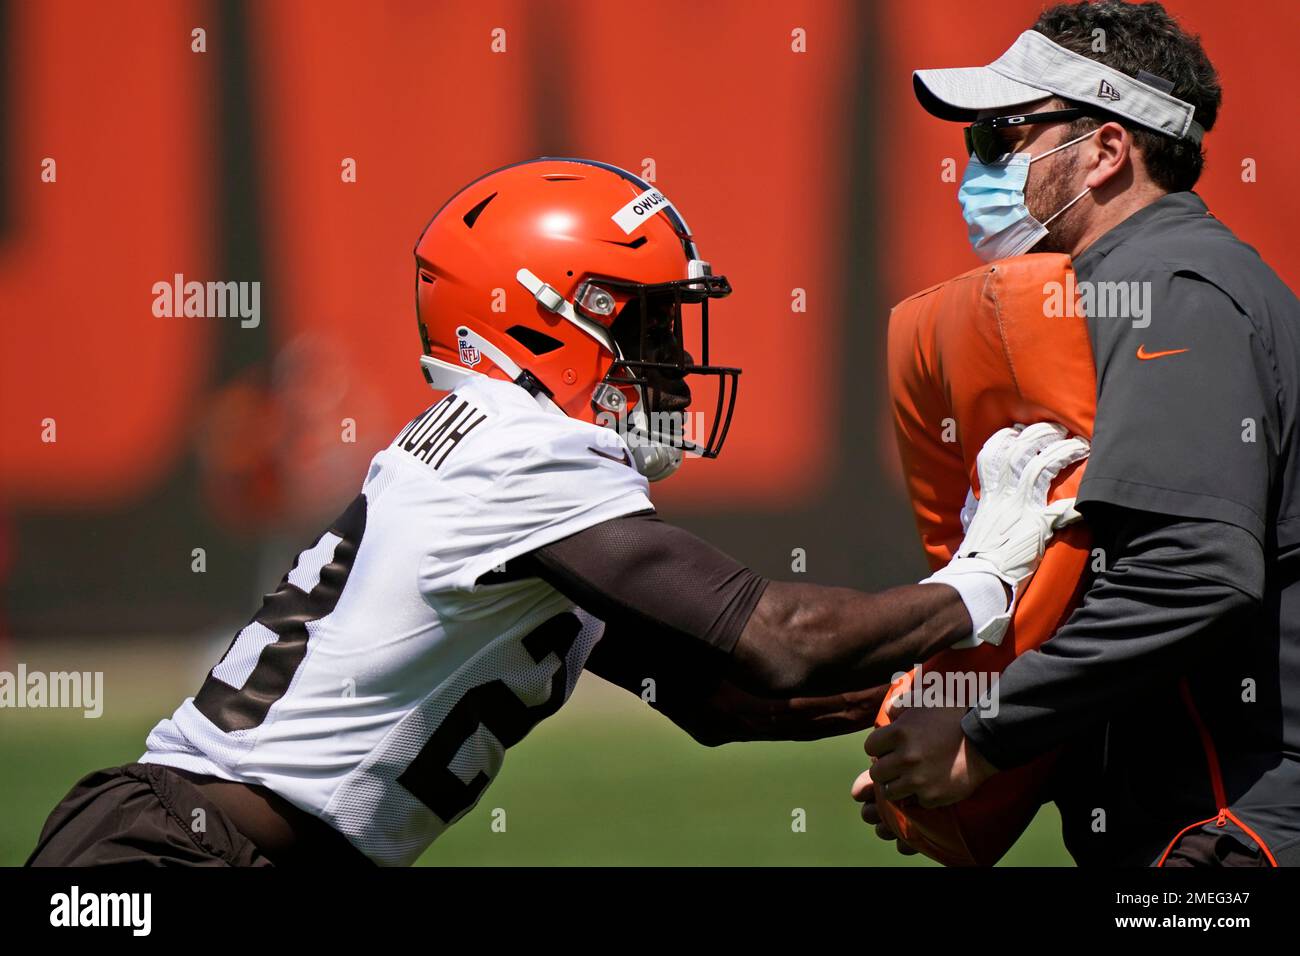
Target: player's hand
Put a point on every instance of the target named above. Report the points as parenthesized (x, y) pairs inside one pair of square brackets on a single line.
[(1012, 520), (731, 714), (864, 791)]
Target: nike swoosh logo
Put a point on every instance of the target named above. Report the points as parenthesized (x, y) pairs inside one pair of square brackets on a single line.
[(626, 459), (1143, 354)]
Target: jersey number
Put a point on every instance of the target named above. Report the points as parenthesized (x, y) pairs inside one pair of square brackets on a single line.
[(429, 778), (495, 706), (286, 613)]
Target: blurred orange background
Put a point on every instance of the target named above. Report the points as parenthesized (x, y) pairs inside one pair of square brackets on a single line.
[(812, 171)]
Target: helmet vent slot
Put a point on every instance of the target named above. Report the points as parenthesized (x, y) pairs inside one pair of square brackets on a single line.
[(636, 243), (471, 217), (539, 343)]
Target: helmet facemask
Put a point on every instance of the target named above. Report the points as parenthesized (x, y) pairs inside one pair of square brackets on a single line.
[(645, 395)]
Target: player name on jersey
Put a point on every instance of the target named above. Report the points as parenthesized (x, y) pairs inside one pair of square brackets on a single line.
[(439, 429)]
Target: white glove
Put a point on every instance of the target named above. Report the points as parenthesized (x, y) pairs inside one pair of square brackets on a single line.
[(1011, 522)]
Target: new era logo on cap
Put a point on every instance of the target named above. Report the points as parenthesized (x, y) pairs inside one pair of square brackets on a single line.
[(1107, 92)]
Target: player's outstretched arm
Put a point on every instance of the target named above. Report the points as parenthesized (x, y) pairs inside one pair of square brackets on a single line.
[(644, 576), (731, 715), (807, 639), (682, 679)]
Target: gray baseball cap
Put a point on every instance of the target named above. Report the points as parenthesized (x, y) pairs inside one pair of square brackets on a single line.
[(1035, 68)]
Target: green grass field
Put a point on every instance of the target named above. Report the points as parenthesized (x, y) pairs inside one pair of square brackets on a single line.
[(604, 782)]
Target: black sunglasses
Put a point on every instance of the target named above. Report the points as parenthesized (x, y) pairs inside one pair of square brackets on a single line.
[(983, 139)]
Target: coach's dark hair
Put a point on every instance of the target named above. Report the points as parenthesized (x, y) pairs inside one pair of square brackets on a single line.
[(1142, 36)]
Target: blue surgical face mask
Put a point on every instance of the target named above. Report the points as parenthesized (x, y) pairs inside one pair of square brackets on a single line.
[(992, 197)]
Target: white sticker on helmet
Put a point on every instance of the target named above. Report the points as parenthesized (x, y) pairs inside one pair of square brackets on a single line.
[(640, 209)]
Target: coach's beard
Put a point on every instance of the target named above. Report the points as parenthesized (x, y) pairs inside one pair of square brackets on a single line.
[(1050, 197)]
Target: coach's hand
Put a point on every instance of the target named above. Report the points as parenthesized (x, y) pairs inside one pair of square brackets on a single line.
[(864, 791), (1012, 519), (923, 753)]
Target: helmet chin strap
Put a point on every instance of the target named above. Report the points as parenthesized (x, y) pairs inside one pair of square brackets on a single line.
[(444, 376), (652, 459), (656, 461)]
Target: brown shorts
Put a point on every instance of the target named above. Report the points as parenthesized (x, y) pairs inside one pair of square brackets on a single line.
[(141, 815)]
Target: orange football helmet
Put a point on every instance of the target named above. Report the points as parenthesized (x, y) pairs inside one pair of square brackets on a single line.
[(570, 277)]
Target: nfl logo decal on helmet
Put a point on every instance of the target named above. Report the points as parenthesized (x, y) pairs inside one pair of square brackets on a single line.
[(469, 355)]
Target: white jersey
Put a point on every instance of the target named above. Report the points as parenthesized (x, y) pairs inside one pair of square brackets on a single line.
[(380, 685)]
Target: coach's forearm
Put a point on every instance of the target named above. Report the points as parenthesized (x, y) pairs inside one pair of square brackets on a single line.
[(1173, 587), (1133, 629), (808, 640)]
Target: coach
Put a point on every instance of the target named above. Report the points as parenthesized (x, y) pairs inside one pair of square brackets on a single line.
[(1175, 687)]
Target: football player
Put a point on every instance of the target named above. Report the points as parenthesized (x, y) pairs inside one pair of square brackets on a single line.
[(505, 540)]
